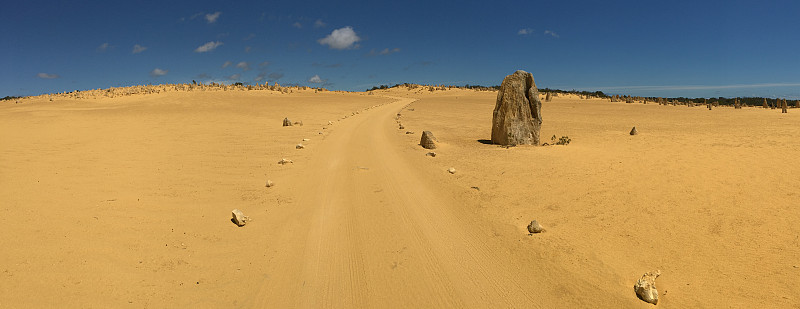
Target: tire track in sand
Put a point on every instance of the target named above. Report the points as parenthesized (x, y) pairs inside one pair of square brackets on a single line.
[(378, 235)]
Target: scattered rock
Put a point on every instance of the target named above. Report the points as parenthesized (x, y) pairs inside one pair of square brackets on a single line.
[(270, 184), (451, 170), (401, 127), (239, 218), (431, 154), (285, 161), (409, 132), (306, 139), (634, 131), (299, 123), (428, 140), (476, 188), (517, 116), (646, 287), (534, 227), (287, 122), (299, 146)]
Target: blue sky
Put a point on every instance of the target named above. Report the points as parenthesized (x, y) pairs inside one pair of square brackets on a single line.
[(649, 48)]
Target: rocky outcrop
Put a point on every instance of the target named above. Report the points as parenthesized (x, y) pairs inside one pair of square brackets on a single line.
[(428, 140), (239, 218), (287, 122), (534, 227), (646, 287), (634, 131), (517, 117)]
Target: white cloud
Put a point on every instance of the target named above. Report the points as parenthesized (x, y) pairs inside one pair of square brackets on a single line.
[(103, 47), (235, 76), (297, 25), (551, 33), (138, 49), (212, 18), (243, 65), (263, 64), (525, 31), (342, 38), (319, 24), (208, 47), (315, 79), (247, 49), (47, 76), (158, 72), (226, 64)]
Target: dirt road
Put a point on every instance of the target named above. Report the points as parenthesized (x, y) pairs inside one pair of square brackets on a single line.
[(372, 231)]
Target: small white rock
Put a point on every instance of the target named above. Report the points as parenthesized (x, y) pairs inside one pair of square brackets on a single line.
[(451, 170), (306, 139), (239, 218), (285, 161), (270, 184)]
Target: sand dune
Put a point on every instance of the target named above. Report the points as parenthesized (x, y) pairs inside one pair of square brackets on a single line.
[(126, 201)]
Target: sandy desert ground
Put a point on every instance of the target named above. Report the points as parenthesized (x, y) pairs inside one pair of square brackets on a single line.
[(125, 203)]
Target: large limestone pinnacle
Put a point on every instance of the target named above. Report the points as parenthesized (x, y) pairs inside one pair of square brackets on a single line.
[(518, 112)]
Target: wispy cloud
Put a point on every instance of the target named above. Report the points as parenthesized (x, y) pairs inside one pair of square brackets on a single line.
[(203, 76), (158, 72), (384, 52), (138, 49), (47, 76), (261, 76), (297, 25), (212, 18), (525, 31), (342, 38), (226, 64), (274, 76), (551, 33), (319, 24), (249, 37), (247, 49), (235, 76), (103, 47), (243, 65), (263, 64), (208, 47), (387, 51)]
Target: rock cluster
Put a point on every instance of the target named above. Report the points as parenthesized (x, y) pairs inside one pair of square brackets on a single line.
[(517, 116)]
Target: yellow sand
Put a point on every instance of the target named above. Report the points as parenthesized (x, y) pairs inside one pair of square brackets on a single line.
[(125, 202)]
